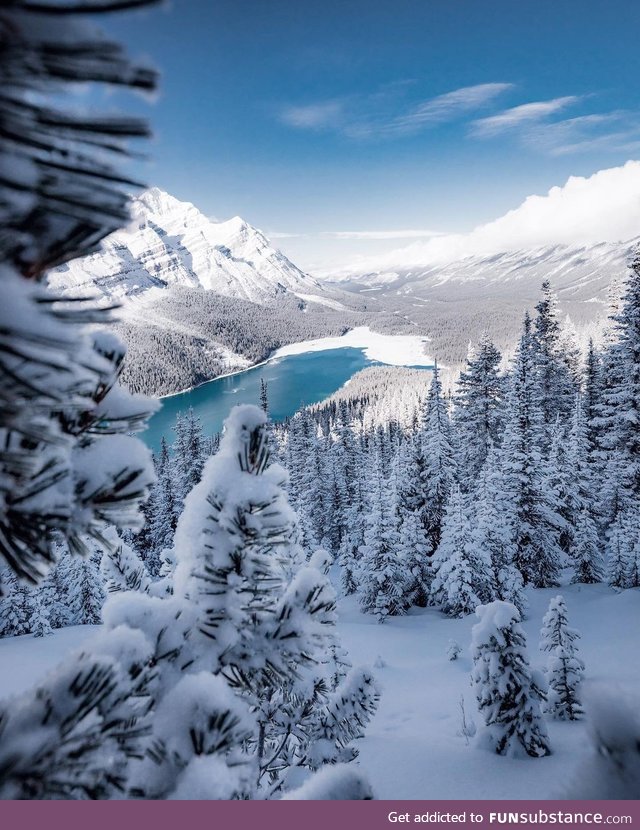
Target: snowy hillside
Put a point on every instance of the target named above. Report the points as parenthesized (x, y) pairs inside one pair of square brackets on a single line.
[(415, 747), (171, 243)]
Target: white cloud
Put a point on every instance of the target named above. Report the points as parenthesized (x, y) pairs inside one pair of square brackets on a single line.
[(324, 114), (384, 113), (523, 114), (445, 107), (284, 235), (400, 234), (604, 207)]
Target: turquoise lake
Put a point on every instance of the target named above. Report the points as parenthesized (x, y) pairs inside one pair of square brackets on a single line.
[(292, 382)]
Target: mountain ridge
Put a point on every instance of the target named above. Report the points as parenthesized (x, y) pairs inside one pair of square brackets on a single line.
[(171, 243), (577, 272)]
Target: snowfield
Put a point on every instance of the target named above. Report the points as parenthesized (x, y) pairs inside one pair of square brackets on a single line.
[(392, 349), (414, 748)]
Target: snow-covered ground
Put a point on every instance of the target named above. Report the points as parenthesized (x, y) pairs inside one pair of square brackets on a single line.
[(414, 748), (392, 349)]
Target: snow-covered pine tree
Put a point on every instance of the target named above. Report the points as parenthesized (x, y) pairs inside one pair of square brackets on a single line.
[(535, 516), (564, 670), (456, 574), (493, 537), (591, 400), (478, 410), (86, 594), (508, 692), (619, 411), (351, 498), (413, 551), (585, 549), (188, 456), (633, 570), (54, 591), (264, 396), (558, 483), (14, 606), (67, 463), (121, 569), (303, 462), (72, 736), (264, 620), (414, 518), (383, 578), (622, 537), (162, 515), (39, 623), (556, 385), (439, 469)]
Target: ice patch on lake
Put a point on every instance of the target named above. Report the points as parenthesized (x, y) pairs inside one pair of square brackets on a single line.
[(392, 349)]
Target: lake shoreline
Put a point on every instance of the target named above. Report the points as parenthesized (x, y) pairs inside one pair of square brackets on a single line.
[(372, 344)]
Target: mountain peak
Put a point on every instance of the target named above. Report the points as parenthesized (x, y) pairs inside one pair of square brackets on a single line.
[(171, 242), (157, 201)]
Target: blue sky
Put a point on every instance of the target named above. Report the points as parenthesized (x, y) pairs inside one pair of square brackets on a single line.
[(316, 118)]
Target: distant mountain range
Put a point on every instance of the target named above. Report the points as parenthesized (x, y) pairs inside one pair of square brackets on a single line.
[(194, 291), (578, 273)]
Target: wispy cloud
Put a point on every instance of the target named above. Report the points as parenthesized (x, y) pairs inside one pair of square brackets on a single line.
[(396, 234), (627, 141), (314, 116), (413, 233), (386, 112), (524, 114), (448, 106), (532, 125), (596, 131)]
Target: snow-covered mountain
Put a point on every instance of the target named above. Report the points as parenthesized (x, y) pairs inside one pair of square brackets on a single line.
[(580, 272), (171, 243)]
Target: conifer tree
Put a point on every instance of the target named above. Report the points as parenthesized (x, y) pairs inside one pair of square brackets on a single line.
[(383, 577), (456, 573), (591, 400), (555, 384), (558, 483), (478, 410), (264, 396), (67, 463), (263, 617), (304, 468), (189, 456), (620, 549), (162, 516), (535, 517), (87, 594), (585, 549), (14, 606), (55, 592), (39, 624), (509, 694), (413, 550), (121, 569), (564, 670), (619, 411), (493, 539), (439, 467)]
